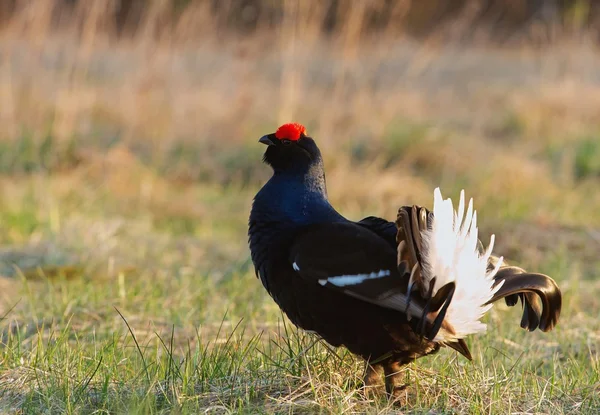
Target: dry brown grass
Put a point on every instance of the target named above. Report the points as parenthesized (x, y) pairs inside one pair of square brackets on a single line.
[(74, 82)]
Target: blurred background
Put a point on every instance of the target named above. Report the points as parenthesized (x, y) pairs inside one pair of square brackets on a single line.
[(127, 113), (129, 154)]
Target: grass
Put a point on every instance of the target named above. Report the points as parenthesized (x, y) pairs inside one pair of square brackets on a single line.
[(127, 170)]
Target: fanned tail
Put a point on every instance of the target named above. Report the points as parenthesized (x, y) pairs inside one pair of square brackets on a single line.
[(456, 283)]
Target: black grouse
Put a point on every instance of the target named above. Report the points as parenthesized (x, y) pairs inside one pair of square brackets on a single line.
[(390, 292)]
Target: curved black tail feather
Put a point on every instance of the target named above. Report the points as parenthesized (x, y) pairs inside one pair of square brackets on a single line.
[(539, 294)]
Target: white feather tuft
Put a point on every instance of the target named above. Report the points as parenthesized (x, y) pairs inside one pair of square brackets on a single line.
[(451, 253), (344, 280)]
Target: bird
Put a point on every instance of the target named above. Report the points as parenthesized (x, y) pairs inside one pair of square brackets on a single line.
[(390, 292)]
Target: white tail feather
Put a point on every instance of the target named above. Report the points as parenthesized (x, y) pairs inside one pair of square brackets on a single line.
[(451, 253)]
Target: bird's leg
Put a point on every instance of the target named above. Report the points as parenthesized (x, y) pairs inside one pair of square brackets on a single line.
[(373, 375), (392, 378)]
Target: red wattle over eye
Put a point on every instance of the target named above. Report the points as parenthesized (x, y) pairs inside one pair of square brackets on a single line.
[(290, 131)]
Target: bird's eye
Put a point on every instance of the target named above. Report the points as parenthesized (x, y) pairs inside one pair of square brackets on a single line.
[(286, 142)]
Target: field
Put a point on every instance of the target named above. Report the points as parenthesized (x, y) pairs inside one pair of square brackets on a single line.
[(127, 171)]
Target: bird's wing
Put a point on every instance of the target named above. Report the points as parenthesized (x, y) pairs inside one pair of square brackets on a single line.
[(405, 237), (355, 261)]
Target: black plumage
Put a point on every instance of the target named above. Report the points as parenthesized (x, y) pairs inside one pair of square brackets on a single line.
[(358, 284)]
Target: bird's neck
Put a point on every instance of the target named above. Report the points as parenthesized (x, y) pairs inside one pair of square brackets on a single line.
[(313, 179), (296, 197)]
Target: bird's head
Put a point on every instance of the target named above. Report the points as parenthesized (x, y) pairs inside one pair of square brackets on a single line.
[(290, 149)]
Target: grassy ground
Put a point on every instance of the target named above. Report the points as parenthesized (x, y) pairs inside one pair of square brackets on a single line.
[(126, 177)]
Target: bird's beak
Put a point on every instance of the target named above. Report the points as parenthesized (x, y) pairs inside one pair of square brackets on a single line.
[(265, 139)]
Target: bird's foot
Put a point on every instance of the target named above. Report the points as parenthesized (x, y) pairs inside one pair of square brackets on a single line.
[(400, 396), (393, 374), (398, 392), (373, 379)]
